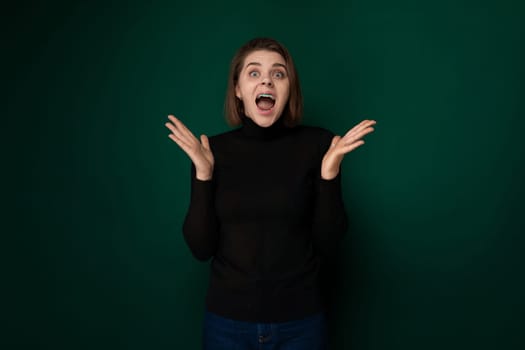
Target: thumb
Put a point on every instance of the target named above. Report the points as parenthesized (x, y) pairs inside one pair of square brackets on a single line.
[(335, 140), (205, 142)]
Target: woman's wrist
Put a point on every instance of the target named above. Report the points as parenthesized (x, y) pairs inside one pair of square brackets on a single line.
[(205, 176), (329, 175)]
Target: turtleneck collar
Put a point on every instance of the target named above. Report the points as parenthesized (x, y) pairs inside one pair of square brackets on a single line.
[(252, 130)]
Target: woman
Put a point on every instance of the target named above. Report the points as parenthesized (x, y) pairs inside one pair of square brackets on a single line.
[(266, 206)]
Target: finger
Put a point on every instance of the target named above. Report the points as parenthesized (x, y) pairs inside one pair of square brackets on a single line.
[(352, 146), (205, 142), (175, 121), (364, 124), (357, 135), (178, 134), (182, 132), (363, 132), (181, 144), (170, 126), (335, 140), (182, 128), (178, 124), (190, 151)]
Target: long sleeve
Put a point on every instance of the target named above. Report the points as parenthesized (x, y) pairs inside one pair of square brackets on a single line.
[(330, 220), (200, 227), (268, 219)]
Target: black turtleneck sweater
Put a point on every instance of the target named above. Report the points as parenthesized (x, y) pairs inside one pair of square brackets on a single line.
[(266, 218)]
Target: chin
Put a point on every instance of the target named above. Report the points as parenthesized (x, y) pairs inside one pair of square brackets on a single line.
[(265, 120)]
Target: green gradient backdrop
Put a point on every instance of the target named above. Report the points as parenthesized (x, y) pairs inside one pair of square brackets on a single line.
[(97, 192)]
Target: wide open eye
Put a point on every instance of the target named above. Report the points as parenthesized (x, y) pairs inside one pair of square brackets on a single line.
[(254, 74), (278, 74)]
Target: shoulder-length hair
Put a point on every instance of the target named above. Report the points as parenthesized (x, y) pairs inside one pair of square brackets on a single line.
[(233, 107)]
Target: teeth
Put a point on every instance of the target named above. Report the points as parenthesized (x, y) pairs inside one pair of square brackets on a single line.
[(266, 95)]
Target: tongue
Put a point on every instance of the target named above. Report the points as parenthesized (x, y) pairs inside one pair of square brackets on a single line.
[(265, 103)]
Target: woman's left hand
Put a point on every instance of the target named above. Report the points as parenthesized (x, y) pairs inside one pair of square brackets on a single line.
[(343, 145)]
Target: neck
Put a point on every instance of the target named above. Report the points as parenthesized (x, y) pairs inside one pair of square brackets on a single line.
[(252, 130)]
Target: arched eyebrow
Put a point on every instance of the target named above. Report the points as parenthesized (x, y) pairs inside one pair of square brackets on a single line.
[(273, 65)]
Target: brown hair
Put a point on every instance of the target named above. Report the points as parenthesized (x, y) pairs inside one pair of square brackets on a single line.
[(233, 107)]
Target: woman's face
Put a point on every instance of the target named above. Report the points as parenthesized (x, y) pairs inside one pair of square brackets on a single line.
[(263, 86)]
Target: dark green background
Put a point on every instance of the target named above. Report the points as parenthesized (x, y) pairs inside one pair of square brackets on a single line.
[(96, 192)]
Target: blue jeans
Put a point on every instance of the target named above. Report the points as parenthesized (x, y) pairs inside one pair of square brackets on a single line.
[(223, 333)]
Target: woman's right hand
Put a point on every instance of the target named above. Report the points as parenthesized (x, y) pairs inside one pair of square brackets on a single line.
[(199, 152)]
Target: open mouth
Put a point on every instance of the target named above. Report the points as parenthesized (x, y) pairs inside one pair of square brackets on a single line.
[(265, 102)]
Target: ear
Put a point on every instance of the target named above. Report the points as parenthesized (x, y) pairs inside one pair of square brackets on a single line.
[(238, 92)]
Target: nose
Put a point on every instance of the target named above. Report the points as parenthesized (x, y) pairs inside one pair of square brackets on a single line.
[(267, 82)]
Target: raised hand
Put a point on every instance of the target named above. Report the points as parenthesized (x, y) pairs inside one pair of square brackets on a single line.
[(343, 145), (199, 152)]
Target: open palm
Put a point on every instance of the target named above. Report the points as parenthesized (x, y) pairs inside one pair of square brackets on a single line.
[(343, 145), (199, 151)]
